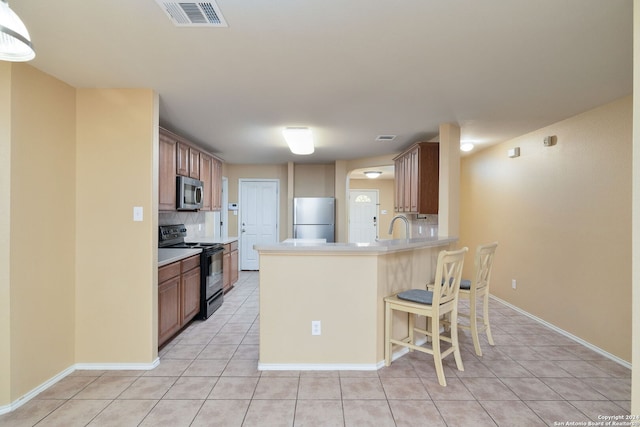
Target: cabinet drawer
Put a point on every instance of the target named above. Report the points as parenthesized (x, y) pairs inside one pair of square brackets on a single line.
[(233, 246), (166, 272), (226, 248), (190, 263)]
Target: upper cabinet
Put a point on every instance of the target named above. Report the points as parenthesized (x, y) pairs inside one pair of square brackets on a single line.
[(188, 161), (216, 193), (167, 176), (179, 157), (417, 182)]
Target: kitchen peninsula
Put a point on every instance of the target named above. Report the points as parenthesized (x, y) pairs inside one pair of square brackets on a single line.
[(342, 286)]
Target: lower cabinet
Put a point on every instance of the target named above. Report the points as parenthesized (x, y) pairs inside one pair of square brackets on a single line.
[(178, 296), (229, 266)]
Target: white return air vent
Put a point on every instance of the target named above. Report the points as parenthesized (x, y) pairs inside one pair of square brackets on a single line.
[(385, 137), (193, 14)]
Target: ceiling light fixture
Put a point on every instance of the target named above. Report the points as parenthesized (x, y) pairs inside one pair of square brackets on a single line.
[(299, 139), (466, 146), (15, 42), (372, 174)]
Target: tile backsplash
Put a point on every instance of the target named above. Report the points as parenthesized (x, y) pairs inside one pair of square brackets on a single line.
[(198, 224), (423, 225)]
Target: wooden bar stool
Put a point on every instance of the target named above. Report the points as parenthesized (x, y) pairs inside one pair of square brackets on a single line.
[(442, 300), (476, 288)]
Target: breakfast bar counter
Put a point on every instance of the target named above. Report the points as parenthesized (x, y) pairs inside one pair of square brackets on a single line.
[(341, 286)]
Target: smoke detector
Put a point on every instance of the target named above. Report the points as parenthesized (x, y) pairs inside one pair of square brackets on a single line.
[(193, 14)]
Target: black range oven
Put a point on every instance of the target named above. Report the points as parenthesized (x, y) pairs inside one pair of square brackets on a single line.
[(211, 295)]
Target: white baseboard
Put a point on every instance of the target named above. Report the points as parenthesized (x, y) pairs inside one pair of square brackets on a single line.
[(565, 333), (33, 393), (318, 366), (78, 366), (118, 366)]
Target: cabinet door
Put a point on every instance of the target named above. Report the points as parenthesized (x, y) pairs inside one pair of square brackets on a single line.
[(226, 270), (216, 183), (167, 174), (399, 181), (406, 197), (206, 163), (414, 180), (169, 315), (194, 163), (233, 267), (429, 178), (190, 295), (182, 159)]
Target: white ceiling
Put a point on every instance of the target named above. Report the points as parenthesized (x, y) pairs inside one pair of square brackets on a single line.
[(349, 69)]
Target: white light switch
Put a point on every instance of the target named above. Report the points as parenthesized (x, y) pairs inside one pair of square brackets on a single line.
[(137, 213)]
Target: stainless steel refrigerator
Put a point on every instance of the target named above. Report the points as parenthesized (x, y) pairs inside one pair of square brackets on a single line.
[(314, 218)]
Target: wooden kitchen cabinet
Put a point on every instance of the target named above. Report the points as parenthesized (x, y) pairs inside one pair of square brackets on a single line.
[(182, 159), (187, 161), (206, 176), (190, 282), (216, 185), (194, 163), (178, 296), (169, 312), (167, 175), (178, 157), (229, 265), (417, 179)]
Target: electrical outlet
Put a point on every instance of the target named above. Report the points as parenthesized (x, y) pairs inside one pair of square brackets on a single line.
[(513, 283), (316, 328)]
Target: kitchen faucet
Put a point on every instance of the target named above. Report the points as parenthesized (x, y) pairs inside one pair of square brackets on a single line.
[(406, 225)]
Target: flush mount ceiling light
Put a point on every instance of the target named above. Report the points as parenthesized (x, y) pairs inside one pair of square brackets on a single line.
[(15, 42), (466, 146), (372, 174), (299, 139)]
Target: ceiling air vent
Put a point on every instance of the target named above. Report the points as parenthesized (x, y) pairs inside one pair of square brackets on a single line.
[(385, 138), (193, 14)]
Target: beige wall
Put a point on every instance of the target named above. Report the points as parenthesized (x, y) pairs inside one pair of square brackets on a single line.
[(41, 220), (5, 232), (73, 165), (314, 180), (562, 217), (635, 390), (116, 279)]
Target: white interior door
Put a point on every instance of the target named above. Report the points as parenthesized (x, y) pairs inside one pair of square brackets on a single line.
[(258, 219), (363, 216)]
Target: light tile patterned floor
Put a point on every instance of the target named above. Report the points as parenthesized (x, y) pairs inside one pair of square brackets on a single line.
[(208, 377)]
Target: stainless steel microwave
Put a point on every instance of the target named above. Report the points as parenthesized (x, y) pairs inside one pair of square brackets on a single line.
[(189, 193)]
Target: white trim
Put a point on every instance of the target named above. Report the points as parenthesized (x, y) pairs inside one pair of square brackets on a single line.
[(334, 367), (118, 366), (78, 366), (33, 393), (319, 366), (566, 334)]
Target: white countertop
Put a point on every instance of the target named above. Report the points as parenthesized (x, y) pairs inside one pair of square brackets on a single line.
[(380, 246), (167, 256), (210, 240), (170, 255)]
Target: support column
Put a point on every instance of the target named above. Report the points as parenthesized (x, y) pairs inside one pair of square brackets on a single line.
[(449, 197)]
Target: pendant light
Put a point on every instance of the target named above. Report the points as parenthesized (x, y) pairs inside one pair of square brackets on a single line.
[(15, 42)]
